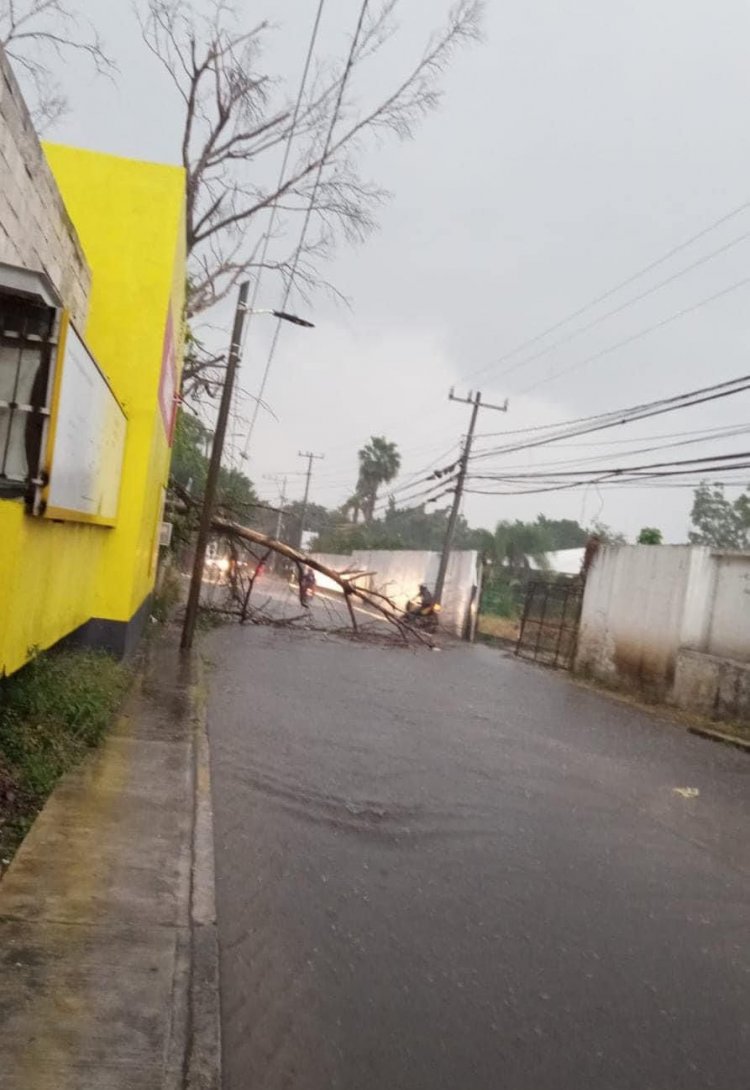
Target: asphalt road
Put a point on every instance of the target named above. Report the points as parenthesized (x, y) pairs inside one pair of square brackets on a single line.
[(453, 871), (275, 596)]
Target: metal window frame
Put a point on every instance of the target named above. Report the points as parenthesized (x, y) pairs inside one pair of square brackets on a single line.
[(17, 289)]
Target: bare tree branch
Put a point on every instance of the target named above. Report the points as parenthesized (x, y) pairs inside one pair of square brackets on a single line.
[(257, 543), (379, 603), (236, 117), (36, 34)]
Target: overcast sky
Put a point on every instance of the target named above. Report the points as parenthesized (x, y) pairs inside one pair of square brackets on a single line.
[(581, 141)]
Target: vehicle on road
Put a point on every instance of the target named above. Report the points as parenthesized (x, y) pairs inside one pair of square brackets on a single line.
[(423, 611)]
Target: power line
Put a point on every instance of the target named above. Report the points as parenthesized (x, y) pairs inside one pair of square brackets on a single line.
[(280, 181), (578, 485), (724, 428), (624, 306), (613, 290), (572, 429), (408, 485), (641, 333), (633, 475), (710, 437), (616, 471), (536, 428), (626, 416), (426, 494), (308, 214)]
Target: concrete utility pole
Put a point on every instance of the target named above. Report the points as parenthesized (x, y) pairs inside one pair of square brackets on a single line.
[(475, 400), (282, 504), (310, 459), (280, 513), (217, 450)]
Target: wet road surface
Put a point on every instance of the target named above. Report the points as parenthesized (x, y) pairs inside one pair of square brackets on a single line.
[(453, 871)]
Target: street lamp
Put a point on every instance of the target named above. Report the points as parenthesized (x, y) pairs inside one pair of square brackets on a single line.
[(217, 450), (282, 314)]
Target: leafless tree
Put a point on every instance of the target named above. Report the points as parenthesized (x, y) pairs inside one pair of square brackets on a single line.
[(36, 35), (237, 120)]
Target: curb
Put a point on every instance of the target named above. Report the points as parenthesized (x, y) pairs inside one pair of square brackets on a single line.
[(202, 1060), (721, 736)]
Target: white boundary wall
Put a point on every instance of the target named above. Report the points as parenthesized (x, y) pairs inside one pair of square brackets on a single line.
[(399, 572), (644, 603)]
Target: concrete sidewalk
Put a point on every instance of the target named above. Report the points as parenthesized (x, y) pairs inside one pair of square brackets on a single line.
[(108, 962)]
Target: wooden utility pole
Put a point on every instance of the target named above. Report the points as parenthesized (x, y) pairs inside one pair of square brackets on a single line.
[(217, 450), (310, 459), (279, 516), (214, 468), (475, 400)]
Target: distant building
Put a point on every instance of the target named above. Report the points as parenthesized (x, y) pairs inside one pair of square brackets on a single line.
[(561, 561)]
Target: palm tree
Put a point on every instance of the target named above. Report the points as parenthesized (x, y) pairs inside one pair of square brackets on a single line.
[(379, 462)]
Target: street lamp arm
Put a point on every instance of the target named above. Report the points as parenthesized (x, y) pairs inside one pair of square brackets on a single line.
[(293, 319), (282, 314)]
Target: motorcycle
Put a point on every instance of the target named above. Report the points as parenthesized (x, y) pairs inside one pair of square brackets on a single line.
[(421, 616)]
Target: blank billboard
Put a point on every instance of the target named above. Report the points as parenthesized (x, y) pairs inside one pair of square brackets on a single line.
[(86, 438)]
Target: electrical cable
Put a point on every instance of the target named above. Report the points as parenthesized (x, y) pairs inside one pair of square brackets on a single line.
[(279, 183), (626, 416), (308, 215), (712, 437), (638, 335), (613, 290), (568, 486), (534, 428), (409, 484), (624, 306), (663, 435), (617, 470)]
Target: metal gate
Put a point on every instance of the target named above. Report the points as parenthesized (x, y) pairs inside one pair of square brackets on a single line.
[(549, 625)]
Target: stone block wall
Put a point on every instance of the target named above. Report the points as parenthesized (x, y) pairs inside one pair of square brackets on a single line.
[(35, 229)]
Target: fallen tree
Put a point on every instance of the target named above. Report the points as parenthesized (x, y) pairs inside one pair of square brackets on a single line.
[(261, 546), (379, 603)]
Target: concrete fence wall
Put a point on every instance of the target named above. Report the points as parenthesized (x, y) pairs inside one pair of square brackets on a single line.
[(728, 625), (398, 573), (672, 621)]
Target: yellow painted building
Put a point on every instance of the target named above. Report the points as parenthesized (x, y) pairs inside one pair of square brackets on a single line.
[(90, 574)]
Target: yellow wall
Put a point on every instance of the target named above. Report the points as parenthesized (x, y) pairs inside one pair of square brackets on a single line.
[(130, 219), (46, 585), (55, 576)]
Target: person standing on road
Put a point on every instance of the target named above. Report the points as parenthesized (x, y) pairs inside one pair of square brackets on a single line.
[(306, 587)]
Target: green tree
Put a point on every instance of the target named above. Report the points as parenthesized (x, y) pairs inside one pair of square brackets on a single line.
[(719, 522), (379, 462), (562, 533), (189, 467), (405, 528), (650, 535), (189, 461), (606, 534), (519, 543)]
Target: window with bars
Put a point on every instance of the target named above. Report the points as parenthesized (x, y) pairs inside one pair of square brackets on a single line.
[(27, 331)]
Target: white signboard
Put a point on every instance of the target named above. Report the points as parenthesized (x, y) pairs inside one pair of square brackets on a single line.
[(87, 439)]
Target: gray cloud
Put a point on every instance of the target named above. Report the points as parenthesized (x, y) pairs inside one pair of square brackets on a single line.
[(576, 145)]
